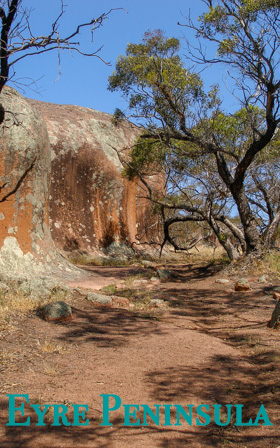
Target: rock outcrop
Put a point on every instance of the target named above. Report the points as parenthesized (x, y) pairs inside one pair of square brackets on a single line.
[(61, 180), (91, 204), (26, 246)]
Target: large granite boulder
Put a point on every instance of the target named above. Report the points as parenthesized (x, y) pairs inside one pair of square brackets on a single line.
[(91, 204), (26, 246)]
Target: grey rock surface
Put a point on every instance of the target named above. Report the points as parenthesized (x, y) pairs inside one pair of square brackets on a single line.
[(98, 299), (57, 311)]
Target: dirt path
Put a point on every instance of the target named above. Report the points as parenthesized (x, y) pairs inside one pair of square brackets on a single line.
[(210, 345)]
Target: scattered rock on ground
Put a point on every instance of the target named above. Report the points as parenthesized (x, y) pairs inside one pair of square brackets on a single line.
[(222, 281), (276, 295), (263, 279), (242, 285), (119, 251), (164, 274), (98, 299), (147, 263), (157, 303), (275, 318), (57, 311), (43, 287)]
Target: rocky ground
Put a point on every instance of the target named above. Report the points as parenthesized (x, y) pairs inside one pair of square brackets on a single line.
[(186, 338)]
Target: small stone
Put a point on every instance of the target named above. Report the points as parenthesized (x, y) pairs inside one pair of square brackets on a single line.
[(57, 311), (276, 295), (4, 288), (147, 263), (154, 279), (164, 274), (98, 299), (157, 303), (222, 280), (263, 279), (242, 285)]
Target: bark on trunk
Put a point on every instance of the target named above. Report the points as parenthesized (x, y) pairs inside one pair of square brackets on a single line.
[(223, 239), (268, 240), (251, 233)]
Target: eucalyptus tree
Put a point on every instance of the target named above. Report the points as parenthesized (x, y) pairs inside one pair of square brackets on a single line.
[(187, 128)]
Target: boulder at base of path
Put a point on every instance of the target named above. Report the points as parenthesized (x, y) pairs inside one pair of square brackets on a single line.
[(164, 274), (98, 299), (275, 318), (43, 287), (222, 281), (57, 312), (276, 295), (242, 285)]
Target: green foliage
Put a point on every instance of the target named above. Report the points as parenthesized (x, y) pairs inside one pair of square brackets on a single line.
[(154, 80), (229, 23), (213, 161), (118, 116), (147, 156)]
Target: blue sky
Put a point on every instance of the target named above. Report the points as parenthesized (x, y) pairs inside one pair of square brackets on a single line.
[(84, 81)]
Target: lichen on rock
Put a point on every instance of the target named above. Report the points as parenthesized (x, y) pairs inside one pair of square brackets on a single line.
[(26, 246)]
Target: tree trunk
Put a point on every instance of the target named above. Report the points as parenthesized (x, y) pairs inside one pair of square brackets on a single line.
[(223, 239), (251, 233), (268, 240), (239, 235)]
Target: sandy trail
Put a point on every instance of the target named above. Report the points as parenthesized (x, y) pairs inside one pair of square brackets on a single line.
[(173, 360)]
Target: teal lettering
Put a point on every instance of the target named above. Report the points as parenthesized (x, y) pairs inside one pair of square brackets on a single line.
[(128, 414), (60, 410), (107, 409), (181, 411), (239, 422), (40, 413), (13, 409), (217, 414), (78, 414), (148, 410), (203, 414), (167, 421), (262, 415)]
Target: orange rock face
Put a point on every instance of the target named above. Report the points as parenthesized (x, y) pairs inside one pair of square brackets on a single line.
[(59, 171), (91, 204), (26, 246)]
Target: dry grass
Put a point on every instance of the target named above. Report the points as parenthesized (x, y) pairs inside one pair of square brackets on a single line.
[(15, 303), (50, 346), (7, 358), (201, 253), (90, 260), (207, 253), (110, 289), (271, 263), (50, 370)]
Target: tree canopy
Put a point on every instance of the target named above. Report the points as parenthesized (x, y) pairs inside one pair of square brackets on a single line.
[(216, 161)]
